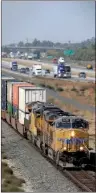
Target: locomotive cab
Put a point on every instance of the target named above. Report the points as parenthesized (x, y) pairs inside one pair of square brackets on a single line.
[(70, 139)]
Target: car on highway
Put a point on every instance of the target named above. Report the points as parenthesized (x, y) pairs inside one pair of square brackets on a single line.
[(82, 75), (89, 67), (47, 71), (27, 70), (23, 70)]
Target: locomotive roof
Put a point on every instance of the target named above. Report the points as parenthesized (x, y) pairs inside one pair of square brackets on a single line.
[(70, 119)]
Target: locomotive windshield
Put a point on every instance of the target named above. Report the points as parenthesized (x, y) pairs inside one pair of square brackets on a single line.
[(77, 123), (54, 115)]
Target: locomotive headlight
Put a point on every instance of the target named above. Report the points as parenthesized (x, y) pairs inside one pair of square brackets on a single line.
[(81, 148), (64, 148), (72, 134)]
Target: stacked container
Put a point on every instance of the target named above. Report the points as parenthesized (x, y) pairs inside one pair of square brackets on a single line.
[(28, 95), (4, 81), (15, 96), (10, 107)]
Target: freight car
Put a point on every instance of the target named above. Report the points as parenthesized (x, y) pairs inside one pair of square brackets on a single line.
[(61, 136)]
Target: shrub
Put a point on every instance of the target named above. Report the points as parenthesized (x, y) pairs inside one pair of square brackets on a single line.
[(15, 181), (3, 164), (74, 89), (11, 188), (8, 170), (50, 87), (60, 89), (4, 156), (43, 85)]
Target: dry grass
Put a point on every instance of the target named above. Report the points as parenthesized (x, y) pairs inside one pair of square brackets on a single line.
[(10, 183), (44, 65), (4, 156), (83, 97), (83, 92)]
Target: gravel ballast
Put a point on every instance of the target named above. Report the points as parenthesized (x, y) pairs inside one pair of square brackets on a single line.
[(29, 164)]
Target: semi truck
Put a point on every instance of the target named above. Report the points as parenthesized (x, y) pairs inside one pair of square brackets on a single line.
[(62, 70), (37, 70), (14, 66)]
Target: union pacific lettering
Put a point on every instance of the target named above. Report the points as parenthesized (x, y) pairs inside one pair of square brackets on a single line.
[(73, 140)]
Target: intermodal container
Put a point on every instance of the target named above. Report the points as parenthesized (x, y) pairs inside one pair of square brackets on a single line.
[(16, 92), (10, 90), (9, 108), (15, 112), (6, 77), (22, 115), (3, 105), (30, 94), (4, 81), (3, 88)]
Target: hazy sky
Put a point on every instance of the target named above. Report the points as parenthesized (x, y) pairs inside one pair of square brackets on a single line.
[(56, 21)]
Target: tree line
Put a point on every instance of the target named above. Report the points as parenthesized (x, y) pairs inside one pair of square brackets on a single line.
[(84, 51)]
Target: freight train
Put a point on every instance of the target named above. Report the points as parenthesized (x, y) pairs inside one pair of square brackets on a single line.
[(61, 136)]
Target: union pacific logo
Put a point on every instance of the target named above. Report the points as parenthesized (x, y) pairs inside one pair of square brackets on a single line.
[(73, 140)]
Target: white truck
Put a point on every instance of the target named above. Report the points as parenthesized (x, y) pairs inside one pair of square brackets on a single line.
[(61, 60), (30, 56), (62, 70), (11, 55), (37, 70)]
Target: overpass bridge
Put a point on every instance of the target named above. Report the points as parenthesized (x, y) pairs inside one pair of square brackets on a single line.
[(34, 47)]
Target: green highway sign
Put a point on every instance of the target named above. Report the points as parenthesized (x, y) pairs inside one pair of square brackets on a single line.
[(69, 52), (49, 57)]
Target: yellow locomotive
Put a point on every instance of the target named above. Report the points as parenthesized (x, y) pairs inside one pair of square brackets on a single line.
[(61, 135)]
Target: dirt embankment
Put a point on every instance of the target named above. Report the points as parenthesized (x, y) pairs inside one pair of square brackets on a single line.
[(83, 92)]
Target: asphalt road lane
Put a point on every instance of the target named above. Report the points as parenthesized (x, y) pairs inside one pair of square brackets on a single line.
[(74, 78), (75, 69)]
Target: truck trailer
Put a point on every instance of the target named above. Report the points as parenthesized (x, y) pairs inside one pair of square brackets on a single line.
[(14, 66)]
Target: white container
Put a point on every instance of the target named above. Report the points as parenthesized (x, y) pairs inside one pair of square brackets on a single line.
[(7, 78), (30, 94), (9, 90), (22, 115)]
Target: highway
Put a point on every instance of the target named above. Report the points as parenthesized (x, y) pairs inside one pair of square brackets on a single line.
[(45, 63), (73, 78), (76, 68), (50, 92)]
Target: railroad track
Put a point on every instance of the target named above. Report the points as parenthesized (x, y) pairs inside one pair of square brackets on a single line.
[(81, 178)]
